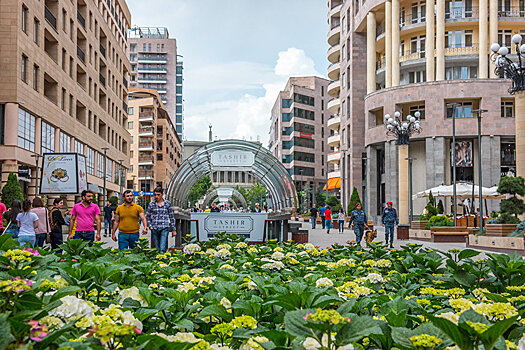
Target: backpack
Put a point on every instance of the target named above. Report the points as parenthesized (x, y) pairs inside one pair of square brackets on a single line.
[(51, 222)]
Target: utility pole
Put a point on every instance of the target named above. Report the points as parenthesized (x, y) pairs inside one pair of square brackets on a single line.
[(105, 149), (37, 161), (120, 180)]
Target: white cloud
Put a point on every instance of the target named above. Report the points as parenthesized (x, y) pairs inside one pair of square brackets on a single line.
[(247, 117)]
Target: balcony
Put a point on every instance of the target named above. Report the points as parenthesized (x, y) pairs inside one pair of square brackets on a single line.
[(146, 117), (334, 70), (102, 50), (511, 12), (146, 131), (334, 122), (102, 79), (81, 19), (334, 53), (152, 80), (334, 157), (50, 17), (333, 88), (380, 29), (125, 81), (334, 174), (409, 56), (461, 12), (460, 51), (146, 175), (125, 106), (334, 140), (333, 106), (334, 35), (152, 59), (146, 146), (81, 54), (335, 10), (146, 160), (152, 70), (381, 63)]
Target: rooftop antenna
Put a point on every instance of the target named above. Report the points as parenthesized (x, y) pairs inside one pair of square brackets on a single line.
[(210, 135)]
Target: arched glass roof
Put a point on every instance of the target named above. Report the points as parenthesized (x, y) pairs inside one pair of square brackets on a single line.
[(265, 167)]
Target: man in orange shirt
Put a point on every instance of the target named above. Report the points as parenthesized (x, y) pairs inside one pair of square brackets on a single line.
[(127, 218)]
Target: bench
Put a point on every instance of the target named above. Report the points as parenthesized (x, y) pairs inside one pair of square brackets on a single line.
[(449, 234)]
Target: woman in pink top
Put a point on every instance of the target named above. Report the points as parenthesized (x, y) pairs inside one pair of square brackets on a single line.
[(43, 221)]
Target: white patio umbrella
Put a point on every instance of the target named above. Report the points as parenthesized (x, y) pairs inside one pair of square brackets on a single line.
[(463, 190)]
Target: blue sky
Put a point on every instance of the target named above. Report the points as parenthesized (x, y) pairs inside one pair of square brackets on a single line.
[(237, 55)]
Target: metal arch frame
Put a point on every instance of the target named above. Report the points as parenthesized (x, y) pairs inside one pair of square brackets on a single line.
[(266, 168), (235, 193)]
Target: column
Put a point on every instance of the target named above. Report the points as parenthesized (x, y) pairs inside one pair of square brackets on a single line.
[(435, 161), (395, 42), (371, 52), (520, 133), (388, 43), (493, 29), (491, 166), (371, 182), (57, 140), (391, 172), (429, 42), (11, 123), (403, 184), (440, 40), (483, 39)]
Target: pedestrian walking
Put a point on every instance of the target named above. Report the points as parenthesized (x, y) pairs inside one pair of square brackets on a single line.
[(83, 217), (43, 228), (313, 214), (161, 220), (328, 219), (214, 208), (3, 209), (360, 221), (341, 221), (10, 216), (27, 224), (56, 221), (389, 219), (109, 214), (127, 218), (321, 214)]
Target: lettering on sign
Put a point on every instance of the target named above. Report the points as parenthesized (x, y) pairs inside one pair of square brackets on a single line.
[(230, 224), (305, 135), (232, 158)]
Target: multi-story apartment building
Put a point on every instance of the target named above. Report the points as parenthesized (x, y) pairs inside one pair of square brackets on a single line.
[(64, 87), (406, 56), (298, 133), (156, 65), (155, 145)]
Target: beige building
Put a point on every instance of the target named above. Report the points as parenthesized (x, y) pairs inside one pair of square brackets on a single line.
[(155, 146), (64, 86), (155, 64), (406, 56), (299, 136)]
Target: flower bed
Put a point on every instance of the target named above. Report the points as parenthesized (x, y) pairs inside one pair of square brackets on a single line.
[(228, 295)]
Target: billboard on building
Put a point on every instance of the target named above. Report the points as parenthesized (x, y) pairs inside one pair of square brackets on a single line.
[(63, 173), (463, 151)]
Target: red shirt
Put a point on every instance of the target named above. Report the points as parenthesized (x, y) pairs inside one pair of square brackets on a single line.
[(328, 214)]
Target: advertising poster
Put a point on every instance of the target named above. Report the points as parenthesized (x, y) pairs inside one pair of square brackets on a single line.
[(82, 173), (60, 174), (463, 151)]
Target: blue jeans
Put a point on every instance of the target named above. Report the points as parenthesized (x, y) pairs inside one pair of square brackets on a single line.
[(313, 222), (341, 226), (359, 230), (86, 236), (107, 227), (328, 225), (12, 231), (27, 239), (323, 223), (40, 239), (159, 237), (389, 231), (127, 240)]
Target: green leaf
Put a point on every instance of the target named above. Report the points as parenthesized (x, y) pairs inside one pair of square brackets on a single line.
[(465, 278), (467, 253), (53, 336), (62, 292), (358, 328), (217, 311), (491, 335), (452, 331), (186, 324), (346, 307), (495, 297), (5, 332), (295, 324)]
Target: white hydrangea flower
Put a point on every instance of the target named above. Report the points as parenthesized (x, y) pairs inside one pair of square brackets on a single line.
[(324, 282), (521, 343), (72, 308), (451, 316), (206, 280), (374, 278), (273, 265), (129, 319), (181, 337), (219, 347), (132, 293), (384, 263), (222, 253), (185, 287), (211, 251), (197, 271), (251, 285), (290, 255), (253, 343), (278, 256), (224, 246), (241, 245), (309, 246), (191, 248), (226, 303)]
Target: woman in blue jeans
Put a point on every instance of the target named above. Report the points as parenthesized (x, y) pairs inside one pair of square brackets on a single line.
[(10, 216), (27, 224), (341, 221)]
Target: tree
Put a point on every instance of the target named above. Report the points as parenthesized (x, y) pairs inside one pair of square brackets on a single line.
[(334, 203), (514, 206), (255, 194), (354, 199), (113, 200), (431, 208), (320, 196), (440, 207), (199, 189), (11, 191)]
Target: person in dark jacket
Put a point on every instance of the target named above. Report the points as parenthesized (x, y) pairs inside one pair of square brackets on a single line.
[(313, 214), (389, 219), (360, 221), (56, 222)]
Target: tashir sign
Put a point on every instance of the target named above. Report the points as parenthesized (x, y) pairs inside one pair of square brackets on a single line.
[(232, 159), (229, 224), (249, 225)]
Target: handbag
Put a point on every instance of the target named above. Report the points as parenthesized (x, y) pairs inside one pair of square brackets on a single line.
[(48, 234), (5, 228)]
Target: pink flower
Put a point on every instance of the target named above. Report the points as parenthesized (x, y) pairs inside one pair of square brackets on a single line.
[(38, 332), (32, 251)]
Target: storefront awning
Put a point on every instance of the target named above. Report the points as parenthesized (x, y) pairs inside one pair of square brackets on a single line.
[(333, 183)]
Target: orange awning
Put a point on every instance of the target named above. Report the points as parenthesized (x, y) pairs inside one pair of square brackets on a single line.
[(333, 183)]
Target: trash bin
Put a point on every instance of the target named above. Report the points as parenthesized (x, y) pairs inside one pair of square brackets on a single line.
[(403, 232)]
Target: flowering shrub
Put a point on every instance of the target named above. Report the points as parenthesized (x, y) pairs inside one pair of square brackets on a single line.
[(225, 294)]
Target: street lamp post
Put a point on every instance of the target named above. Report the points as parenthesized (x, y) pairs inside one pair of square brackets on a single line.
[(402, 130), (506, 68), (479, 112), (105, 149), (37, 160)]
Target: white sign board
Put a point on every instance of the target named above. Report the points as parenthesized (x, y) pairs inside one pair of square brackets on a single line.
[(61, 174), (232, 159), (249, 225), (82, 173)]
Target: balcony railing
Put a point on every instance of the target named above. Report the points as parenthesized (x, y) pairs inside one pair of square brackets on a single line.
[(153, 79), (102, 50), (102, 79), (81, 19), (81, 54), (380, 29), (381, 63), (146, 115), (335, 24), (145, 144), (408, 56), (462, 50), (152, 69), (163, 59), (50, 17), (458, 12), (512, 11), (146, 173), (125, 81), (125, 106), (144, 159)]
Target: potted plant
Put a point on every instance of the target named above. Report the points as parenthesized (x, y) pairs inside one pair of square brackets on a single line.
[(510, 208), (430, 211)]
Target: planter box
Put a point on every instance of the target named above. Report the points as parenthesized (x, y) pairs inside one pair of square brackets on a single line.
[(306, 219), (403, 232), (421, 235), (500, 230), (449, 234), (420, 225), (300, 237), (498, 244)]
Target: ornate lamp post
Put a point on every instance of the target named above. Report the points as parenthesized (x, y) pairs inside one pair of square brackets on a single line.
[(507, 68), (402, 130)]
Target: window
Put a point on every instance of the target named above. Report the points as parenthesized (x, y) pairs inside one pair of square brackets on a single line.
[(306, 128), (100, 165), (144, 47), (420, 108), (343, 52), (70, 105), (63, 101), (304, 157), (149, 47), (416, 77), (418, 12), (24, 18), (130, 110), (303, 113), (79, 147), (71, 29), (65, 143), (26, 130), (71, 63), (159, 156), (463, 109), (455, 73), (508, 154), (23, 69), (64, 55), (109, 169), (131, 139), (417, 45), (64, 20), (307, 100), (48, 138), (507, 109), (36, 72), (402, 16), (130, 125), (458, 39), (302, 142), (504, 37), (36, 30), (286, 103), (90, 161)]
